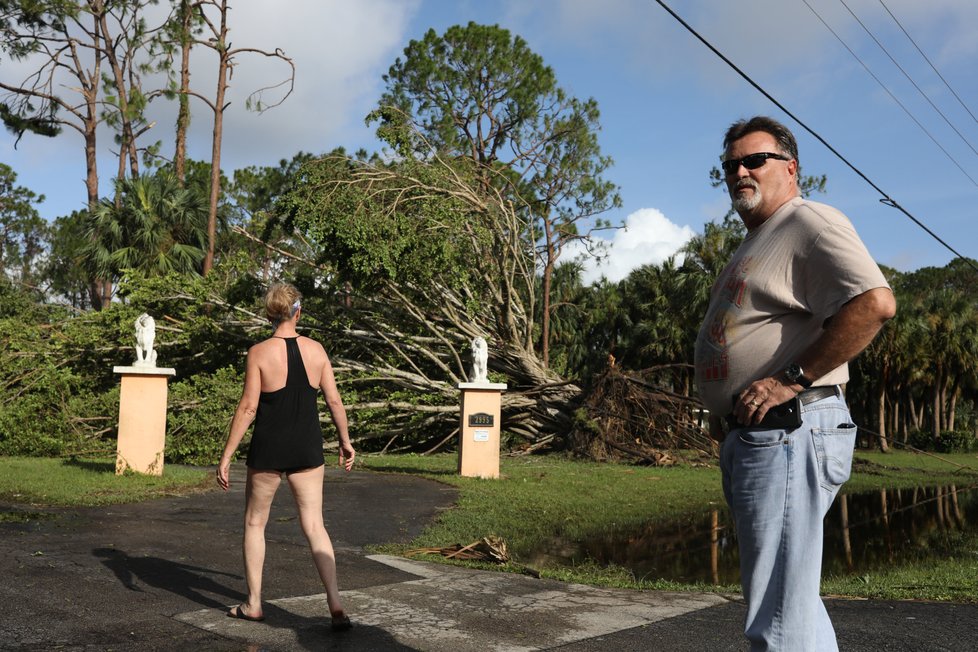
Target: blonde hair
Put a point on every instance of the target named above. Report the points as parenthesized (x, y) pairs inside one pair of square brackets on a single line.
[(281, 302)]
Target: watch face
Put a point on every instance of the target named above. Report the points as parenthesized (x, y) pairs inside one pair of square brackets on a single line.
[(793, 372)]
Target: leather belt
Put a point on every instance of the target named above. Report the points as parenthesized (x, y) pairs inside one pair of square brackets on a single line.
[(813, 394)]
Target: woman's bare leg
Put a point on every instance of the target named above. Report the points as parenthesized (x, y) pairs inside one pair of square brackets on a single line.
[(259, 493), (307, 488)]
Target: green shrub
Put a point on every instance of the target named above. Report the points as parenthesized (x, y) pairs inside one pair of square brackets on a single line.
[(958, 441), (59, 415), (59, 395), (950, 441), (200, 411)]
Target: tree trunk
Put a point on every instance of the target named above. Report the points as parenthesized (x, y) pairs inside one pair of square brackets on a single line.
[(898, 418), (120, 172), (549, 260), (100, 290), (846, 539), (914, 420), (881, 397), (127, 146), (907, 417), (222, 85), (896, 412), (183, 114), (945, 383), (952, 408), (545, 311), (97, 288)]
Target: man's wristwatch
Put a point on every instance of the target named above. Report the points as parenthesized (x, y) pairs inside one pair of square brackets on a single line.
[(794, 374)]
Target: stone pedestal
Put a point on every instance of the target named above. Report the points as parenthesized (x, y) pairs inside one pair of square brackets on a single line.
[(142, 419), (478, 449)]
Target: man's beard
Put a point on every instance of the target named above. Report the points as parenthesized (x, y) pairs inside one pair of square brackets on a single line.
[(744, 203)]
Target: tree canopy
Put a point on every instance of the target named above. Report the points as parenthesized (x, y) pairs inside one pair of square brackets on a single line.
[(22, 230), (424, 257), (480, 93), (153, 225)]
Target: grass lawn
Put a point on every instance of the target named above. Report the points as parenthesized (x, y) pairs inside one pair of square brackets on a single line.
[(902, 469), (952, 577), (36, 481), (540, 499)]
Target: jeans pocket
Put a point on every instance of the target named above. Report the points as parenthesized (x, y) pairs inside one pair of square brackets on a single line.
[(761, 438), (833, 449)]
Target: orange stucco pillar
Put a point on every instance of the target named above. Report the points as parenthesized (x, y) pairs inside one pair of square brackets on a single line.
[(478, 449), (142, 419)]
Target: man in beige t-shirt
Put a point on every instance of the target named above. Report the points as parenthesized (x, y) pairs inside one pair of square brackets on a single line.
[(799, 299)]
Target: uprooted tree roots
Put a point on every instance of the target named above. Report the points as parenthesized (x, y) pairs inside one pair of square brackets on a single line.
[(630, 416), (490, 548)]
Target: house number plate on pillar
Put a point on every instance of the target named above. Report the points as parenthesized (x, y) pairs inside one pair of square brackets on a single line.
[(481, 419)]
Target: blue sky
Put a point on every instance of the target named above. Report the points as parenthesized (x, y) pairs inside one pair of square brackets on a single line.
[(665, 102)]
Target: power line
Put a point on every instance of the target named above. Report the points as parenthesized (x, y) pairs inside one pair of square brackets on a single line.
[(907, 75), (933, 67), (886, 200), (892, 96)]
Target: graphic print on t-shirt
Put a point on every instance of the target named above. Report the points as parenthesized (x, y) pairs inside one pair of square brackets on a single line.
[(732, 292)]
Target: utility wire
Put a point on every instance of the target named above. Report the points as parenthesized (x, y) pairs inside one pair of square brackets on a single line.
[(933, 67), (907, 75), (892, 96), (886, 200)]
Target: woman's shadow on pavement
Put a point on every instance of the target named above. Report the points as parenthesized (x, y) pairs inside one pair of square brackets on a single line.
[(196, 584), (191, 582)]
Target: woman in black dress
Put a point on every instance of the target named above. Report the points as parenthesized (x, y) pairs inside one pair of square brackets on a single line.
[(282, 379)]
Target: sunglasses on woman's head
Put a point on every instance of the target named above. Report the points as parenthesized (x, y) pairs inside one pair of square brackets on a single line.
[(751, 161)]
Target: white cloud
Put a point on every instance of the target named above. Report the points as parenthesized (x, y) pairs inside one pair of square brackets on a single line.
[(648, 237), (340, 53)]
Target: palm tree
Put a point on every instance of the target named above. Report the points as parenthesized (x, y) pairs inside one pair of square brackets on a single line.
[(955, 333), (586, 323), (153, 226), (889, 367), (664, 304), (710, 252)]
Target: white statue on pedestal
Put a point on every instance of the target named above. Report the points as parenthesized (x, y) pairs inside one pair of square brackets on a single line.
[(145, 336), (480, 360)]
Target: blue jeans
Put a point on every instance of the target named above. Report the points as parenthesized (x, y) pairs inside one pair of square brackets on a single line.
[(779, 485)]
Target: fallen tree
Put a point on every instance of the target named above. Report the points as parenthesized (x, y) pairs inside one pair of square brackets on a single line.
[(632, 416), (420, 257)]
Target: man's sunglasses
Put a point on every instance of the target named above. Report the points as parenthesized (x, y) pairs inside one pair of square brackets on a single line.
[(751, 161)]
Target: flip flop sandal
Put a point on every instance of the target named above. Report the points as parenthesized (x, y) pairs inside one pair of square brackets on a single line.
[(238, 612), (340, 622)]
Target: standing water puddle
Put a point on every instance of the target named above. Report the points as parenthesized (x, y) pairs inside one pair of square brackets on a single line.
[(862, 532)]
